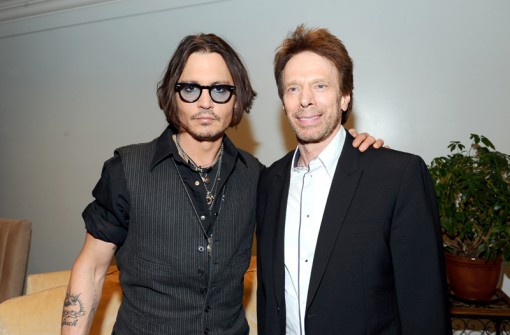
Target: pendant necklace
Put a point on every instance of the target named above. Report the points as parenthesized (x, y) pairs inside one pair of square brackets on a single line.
[(209, 197), (208, 237)]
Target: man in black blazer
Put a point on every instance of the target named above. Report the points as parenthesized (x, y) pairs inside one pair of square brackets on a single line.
[(348, 242)]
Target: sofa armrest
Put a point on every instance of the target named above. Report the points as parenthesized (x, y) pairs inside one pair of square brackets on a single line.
[(44, 281)]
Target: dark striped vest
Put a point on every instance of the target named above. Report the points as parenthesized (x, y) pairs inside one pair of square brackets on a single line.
[(170, 285)]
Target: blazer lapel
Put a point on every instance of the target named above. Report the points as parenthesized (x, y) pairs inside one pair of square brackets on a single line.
[(342, 190), (281, 182)]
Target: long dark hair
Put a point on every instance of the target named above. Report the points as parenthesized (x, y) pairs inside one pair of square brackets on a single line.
[(204, 43)]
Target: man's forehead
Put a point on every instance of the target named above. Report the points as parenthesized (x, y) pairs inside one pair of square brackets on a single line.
[(208, 67)]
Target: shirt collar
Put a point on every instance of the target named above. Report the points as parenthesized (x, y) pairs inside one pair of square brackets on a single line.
[(330, 155), (166, 148)]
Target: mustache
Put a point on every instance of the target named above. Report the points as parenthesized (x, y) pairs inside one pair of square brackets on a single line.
[(205, 113)]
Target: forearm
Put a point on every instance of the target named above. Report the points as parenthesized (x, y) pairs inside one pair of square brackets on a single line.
[(81, 301), (85, 286)]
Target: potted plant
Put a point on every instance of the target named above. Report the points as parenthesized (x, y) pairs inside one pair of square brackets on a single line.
[(472, 187)]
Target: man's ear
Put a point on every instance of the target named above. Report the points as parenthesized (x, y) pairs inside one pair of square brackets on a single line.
[(344, 102)]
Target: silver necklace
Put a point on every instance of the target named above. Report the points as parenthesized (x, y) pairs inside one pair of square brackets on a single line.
[(209, 196), (209, 238)]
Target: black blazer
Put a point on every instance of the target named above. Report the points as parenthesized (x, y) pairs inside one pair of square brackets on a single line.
[(379, 263)]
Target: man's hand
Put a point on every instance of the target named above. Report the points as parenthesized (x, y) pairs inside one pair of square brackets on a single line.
[(363, 141)]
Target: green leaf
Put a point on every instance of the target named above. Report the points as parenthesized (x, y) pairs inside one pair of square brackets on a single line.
[(473, 195)]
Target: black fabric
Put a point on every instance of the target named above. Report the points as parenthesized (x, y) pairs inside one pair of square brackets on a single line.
[(378, 266), (107, 217), (170, 284)]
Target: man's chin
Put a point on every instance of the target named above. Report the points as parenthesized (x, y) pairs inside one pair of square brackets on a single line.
[(314, 134), (203, 134), (306, 137), (207, 137)]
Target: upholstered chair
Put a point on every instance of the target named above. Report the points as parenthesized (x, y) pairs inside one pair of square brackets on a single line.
[(15, 238)]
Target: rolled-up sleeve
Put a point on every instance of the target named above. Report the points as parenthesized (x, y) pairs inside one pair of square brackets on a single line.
[(107, 217)]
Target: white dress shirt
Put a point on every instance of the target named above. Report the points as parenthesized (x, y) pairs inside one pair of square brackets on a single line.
[(308, 193)]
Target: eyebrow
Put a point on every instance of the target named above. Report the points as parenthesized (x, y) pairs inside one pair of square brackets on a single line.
[(313, 81), (225, 82)]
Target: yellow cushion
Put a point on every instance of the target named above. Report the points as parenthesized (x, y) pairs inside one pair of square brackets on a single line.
[(43, 281)]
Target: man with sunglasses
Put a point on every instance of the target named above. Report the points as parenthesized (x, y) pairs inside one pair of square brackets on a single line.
[(179, 212)]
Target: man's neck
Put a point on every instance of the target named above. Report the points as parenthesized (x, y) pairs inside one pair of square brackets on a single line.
[(203, 153), (309, 151)]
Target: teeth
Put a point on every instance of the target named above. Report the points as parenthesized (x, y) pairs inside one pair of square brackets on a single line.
[(308, 118)]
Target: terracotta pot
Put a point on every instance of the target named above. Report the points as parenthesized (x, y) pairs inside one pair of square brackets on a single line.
[(473, 278)]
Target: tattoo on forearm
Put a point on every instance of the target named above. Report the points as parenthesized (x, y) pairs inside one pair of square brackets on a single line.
[(73, 310)]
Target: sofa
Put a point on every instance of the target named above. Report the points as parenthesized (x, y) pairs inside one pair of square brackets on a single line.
[(15, 236), (39, 310)]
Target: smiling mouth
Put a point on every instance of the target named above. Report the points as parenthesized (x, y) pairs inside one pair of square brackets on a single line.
[(308, 120)]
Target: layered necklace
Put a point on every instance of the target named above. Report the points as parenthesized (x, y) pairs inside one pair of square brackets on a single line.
[(209, 196)]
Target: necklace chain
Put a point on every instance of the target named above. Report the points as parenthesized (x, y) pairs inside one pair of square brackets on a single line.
[(209, 197), (208, 237)]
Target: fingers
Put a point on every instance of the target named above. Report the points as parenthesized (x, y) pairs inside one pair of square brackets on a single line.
[(367, 142), (353, 132), (363, 141), (379, 143)]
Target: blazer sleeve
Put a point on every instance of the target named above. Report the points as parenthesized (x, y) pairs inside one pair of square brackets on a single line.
[(418, 256)]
